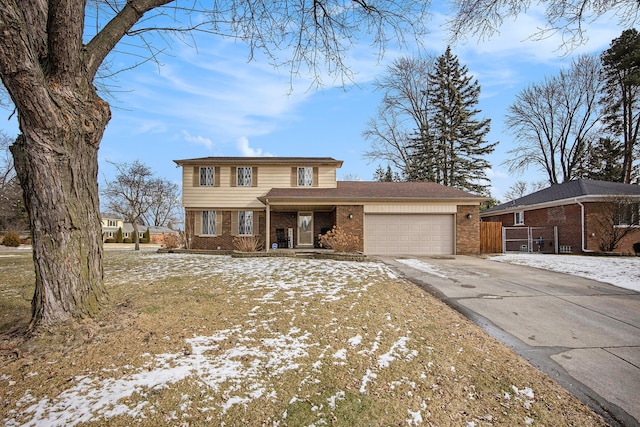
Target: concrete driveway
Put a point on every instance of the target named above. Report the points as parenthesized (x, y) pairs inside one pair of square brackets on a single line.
[(584, 334)]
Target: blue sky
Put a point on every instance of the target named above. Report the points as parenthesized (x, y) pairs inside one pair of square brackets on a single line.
[(213, 102)]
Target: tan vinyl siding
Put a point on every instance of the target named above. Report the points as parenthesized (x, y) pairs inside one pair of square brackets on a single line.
[(226, 195), (411, 208)]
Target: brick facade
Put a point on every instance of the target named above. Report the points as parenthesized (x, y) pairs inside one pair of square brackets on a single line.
[(224, 239), (468, 230), (568, 219), (353, 225)]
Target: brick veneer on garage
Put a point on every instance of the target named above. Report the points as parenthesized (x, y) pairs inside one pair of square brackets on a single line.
[(468, 230), (355, 225)]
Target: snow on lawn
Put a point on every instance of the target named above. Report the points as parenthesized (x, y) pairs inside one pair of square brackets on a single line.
[(623, 272), (237, 372)]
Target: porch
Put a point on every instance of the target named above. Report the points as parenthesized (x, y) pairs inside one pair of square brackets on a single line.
[(298, 227)]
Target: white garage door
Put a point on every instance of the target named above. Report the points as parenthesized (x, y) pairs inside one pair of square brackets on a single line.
[(386, 234)]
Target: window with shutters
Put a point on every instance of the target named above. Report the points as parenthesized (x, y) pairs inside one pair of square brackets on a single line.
[(244, 176), (305, 177), (209, 222), (245, 223), (207, 176)]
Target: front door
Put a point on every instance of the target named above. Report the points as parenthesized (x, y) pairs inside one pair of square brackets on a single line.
[(305, 229)]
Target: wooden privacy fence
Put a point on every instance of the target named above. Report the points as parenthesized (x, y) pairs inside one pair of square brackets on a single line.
[(490, 237)]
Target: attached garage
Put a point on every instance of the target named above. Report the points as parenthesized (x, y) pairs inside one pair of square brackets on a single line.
[(410, 234)]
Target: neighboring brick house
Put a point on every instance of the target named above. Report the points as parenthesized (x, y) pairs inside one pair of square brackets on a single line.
[(585, 213), (289, 201)]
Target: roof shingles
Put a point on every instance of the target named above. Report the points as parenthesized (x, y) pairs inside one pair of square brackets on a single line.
[(570, 190), (361, 190)]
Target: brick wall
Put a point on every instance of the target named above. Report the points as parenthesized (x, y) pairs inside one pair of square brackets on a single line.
[(353, 225), (568, 219), (223, 241), (468, 230)]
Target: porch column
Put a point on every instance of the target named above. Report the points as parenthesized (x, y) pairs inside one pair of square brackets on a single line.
[(267, 232)]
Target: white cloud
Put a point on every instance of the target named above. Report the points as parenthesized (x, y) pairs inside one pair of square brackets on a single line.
[(243, 146), (199, 140)]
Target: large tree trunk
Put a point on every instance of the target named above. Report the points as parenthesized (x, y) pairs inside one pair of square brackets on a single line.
[(56, 159)]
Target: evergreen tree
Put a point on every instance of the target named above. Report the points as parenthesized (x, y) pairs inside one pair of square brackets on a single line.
[(119, 235), (621, 63), (382, 175), (453, 150), (423, 160), (604, 161)]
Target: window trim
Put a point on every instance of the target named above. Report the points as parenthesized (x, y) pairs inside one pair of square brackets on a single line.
[(304, 175), (244, 183), (246, 216), (213, 176), (518, 215), (202, 223)]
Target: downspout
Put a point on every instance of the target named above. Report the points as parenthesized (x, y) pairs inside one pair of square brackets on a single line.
[(267, 233), (582, 227)]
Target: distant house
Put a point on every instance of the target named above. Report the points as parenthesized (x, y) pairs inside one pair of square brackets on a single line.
[(288, 201), (111, 223), (574, 217)]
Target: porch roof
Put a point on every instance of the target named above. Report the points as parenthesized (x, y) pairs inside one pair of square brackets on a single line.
[(362, 191)]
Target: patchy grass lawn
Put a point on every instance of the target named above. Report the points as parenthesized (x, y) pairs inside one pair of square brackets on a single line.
[(191, 340)]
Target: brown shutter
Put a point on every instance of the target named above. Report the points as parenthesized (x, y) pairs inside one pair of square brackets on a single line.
[(218, 223), (197, 226), (234, 223), (294, 177), (234, 176), (254, 177), (216, 176), (196, 176), (256, 223), (315, 183)]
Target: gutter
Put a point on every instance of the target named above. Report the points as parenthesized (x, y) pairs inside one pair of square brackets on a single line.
[(582, 227)]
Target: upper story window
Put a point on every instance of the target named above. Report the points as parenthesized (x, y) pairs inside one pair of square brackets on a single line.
[(207, 176), (518, 218), (112, 223), (305, 177), (244, 176), (245, 223)]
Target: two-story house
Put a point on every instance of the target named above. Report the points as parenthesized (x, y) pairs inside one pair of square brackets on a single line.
[(289, 201)]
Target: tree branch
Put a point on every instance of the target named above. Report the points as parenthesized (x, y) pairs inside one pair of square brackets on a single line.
[(100, 46)]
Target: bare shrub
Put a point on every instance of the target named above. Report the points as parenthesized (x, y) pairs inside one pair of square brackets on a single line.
[(339, 240), (172, 241), (11, 239), (247, 244)]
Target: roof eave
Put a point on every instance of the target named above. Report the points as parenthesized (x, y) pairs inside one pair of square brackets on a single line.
[(554, 203)]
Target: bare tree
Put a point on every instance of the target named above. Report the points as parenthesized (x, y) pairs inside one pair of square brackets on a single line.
[(616, 218), (522, 188), (554, 122), (567, 17), (49, 59), (131, 194), (164, 205), (402, 111), (13, 216)]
